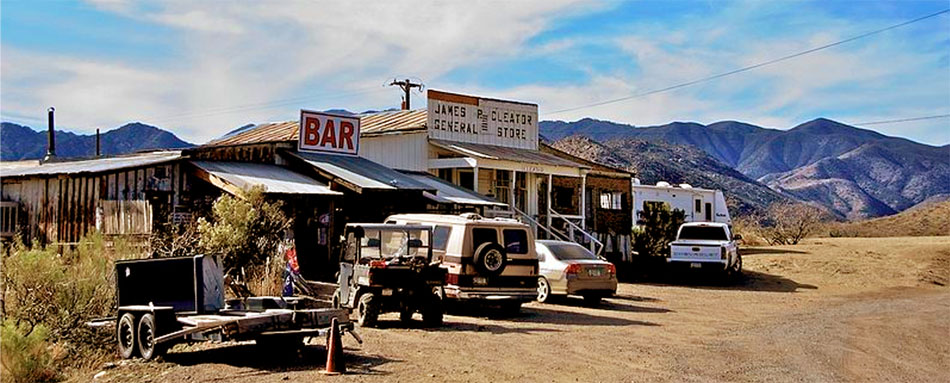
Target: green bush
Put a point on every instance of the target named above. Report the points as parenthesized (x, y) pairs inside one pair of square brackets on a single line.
[(657, 228), (25, 354), (246, 232)]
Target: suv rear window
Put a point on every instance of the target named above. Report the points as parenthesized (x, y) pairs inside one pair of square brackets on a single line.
[(516, 241), (482, 235), (710, 233)]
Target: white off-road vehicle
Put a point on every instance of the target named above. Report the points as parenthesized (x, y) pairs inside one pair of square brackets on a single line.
[(706, 245)]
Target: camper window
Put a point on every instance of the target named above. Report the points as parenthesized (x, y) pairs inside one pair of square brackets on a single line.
[(699, 206)]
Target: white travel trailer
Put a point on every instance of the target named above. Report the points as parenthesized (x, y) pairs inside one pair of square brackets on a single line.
[(700, 205)]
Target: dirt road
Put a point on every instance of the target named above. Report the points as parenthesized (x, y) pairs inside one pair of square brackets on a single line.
[(828, 310)]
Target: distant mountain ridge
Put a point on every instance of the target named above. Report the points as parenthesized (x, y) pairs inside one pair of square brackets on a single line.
[(856, 173), (18, 142)]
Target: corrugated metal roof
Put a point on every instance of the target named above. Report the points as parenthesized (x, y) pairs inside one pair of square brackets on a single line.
[(390, 122), (447, 192), (96, 165), (370, 124), (508, 154), (273, 178), (361, 172), (269, 132)]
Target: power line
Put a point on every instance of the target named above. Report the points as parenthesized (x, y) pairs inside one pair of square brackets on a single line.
[(751, 67), (903, 120)]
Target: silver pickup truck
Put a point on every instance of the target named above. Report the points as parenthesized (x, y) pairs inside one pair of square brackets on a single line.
[(706, 245)]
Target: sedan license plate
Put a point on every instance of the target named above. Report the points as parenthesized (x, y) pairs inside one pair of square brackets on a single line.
[(387, 292), (595, 272), (695, 265)]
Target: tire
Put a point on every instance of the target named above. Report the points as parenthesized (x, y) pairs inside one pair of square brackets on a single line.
[(432, 312), (147, 332), (125, 336), (544, 290), (367, 310), (735, 272), (490, 258)]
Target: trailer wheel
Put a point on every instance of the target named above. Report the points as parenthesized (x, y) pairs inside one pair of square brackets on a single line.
[(148, 331), (405, 313), (367, 310), (125, 335)]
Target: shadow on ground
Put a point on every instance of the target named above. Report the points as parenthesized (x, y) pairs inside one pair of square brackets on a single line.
[(768, 250), (748, 281), (449, 326), (614, 303), (309, 358), (551, 315)]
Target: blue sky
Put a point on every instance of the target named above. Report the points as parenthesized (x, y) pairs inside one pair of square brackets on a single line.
[(201, 69)]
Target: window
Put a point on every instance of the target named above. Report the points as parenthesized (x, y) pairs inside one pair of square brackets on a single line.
[(445, 174), (482, 235), (440, 237), (502, 185), (516, 241), (611, 200), (570, 251), (563, 197), (706, 233), (699, 206)]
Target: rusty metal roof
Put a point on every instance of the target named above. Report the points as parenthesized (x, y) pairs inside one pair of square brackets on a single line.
[(87, 166), (269, 132), (391, 122), (370, 124)]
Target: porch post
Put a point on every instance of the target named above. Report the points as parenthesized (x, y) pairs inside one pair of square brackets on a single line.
[(548, 215), (511, 191), (584, 201), (475, 179)]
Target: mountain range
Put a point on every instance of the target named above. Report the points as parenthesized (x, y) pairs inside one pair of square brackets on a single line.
[(18, 142), (855, 173)]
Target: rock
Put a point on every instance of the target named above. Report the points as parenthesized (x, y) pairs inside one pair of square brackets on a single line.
[(99, 375), (108, 365)]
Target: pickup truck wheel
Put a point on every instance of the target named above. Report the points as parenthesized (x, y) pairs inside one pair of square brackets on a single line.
[(148, 331), (736, 270), (125, 335), (544, 290), (367, 310)]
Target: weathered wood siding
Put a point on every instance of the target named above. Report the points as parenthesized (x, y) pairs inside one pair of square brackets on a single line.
[(63, 208)]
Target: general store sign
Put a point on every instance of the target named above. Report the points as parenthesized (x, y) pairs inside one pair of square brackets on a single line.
[(328, 133), (461, 118)]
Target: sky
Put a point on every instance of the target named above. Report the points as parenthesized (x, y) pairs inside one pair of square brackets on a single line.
[(203, 68)]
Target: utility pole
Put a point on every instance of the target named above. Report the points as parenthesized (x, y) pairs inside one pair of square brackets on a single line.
[(406, 86)]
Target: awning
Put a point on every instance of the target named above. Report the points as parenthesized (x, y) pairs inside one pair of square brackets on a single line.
[(492, 152), (359, 174), (449, 193), (234, 177)]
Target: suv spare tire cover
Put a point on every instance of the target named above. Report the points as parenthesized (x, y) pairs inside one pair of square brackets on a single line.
[(490, 258)]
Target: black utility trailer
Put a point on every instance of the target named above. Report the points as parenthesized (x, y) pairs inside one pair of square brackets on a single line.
[(169, 300)]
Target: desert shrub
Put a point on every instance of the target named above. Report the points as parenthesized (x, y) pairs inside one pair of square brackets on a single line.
[(48, 296), (751, 230), (657, 229), (174, 240), (787, 223), (246, 232), (26, 355)]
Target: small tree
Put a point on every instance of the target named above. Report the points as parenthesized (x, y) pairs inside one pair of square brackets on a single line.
[(244, 231), (787, 223), (658, 228)]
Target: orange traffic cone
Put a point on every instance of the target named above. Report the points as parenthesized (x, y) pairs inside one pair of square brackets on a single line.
[(335, 363)]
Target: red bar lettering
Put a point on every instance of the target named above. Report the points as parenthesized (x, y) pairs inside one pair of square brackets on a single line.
[(329, 134), (311, 131), (346, 134)]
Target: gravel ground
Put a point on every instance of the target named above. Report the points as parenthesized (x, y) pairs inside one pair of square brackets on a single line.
[(828, 310)]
